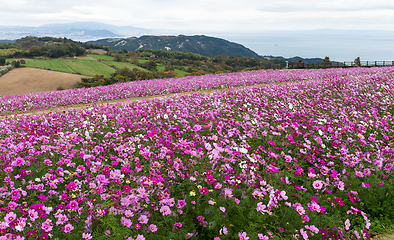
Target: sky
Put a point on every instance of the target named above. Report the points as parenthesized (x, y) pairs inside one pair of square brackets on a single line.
[(206, 15), (269, 27)]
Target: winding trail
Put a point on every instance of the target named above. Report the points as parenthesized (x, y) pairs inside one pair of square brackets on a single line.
[(126, 100)]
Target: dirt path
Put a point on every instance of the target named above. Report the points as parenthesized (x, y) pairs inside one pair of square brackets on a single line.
[(21, 81), (127, 100)]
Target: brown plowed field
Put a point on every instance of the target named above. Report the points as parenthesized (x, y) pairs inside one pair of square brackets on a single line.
[(29, 80)]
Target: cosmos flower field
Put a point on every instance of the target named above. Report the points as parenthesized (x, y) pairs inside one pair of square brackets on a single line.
[(34, 101), (311, 158)]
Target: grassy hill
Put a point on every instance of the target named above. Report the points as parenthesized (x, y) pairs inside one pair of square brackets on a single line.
[(200, 44)]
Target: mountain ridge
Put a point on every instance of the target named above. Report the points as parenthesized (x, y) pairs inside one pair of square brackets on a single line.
[(200, 44)]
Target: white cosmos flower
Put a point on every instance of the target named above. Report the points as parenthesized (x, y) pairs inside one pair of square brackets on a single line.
[(243, 150)]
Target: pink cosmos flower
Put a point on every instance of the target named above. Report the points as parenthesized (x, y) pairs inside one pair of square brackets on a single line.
[(304, 234), (181, 204), (9, 217), (242, 236), (33, 214), (318, 184), (341, 185), (270, 142), (305, 218), (228, 192), (73, 205), (101, 178), (224, 230), (128, 213), (127, 223), (61, 219), (223, 209), (300, 210), (12, 205), (68, 228), (140, 237), (217, 186), (143, 219), (153, 227), (347, 224), (178, 224), (165, 210), (86, 236), (262, 236)]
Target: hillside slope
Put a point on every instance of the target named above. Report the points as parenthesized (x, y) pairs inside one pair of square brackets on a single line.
[(200, 44)]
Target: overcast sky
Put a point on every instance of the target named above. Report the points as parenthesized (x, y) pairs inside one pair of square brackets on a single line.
[(206, 15)]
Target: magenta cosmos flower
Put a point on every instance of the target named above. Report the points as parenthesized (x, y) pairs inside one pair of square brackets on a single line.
[(204, 191), (71, 186)]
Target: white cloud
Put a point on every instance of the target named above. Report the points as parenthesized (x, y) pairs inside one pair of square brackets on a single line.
[(206, 15)]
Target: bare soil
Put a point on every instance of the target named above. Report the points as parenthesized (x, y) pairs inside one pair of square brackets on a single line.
[(21, 81)]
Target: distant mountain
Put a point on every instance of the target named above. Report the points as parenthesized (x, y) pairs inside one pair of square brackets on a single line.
[(200, 44), (6, 41), (295, 59), (78, 31)]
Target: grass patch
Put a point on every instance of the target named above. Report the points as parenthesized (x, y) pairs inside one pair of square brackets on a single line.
[(54, 65), (89, 68), (125, 65), (102, 57), (181, 73), (160, 67)]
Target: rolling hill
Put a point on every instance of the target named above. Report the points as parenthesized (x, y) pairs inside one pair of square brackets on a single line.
[(200, 44)]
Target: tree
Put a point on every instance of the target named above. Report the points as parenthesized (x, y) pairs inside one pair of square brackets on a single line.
[(35, 50), (16, 64), (357, 62), (150, 65), (327, 61), (2, 61), (119, 57)]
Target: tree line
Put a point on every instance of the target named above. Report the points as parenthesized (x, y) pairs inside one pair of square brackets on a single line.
[(47, 46)]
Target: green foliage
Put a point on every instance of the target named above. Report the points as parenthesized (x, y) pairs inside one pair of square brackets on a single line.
[(119, 57), (16, 64), (150, 65), (45, 46), (2, 61)]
